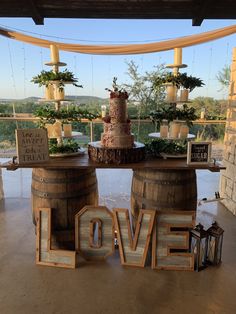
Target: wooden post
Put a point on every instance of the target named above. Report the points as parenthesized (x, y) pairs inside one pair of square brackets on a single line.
[(91, 132)]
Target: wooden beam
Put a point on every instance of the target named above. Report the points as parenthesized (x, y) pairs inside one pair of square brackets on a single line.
[(197, 21), (200, 8), (36, 15)]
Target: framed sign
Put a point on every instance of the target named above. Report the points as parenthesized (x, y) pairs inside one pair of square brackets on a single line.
[(32, 145), (199, 153)]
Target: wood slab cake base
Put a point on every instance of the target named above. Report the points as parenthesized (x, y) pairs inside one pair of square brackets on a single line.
[(106, 155)]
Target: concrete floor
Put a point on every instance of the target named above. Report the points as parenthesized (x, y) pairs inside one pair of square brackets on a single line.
[(107, 287)]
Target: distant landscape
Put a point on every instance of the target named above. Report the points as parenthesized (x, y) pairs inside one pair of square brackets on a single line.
[(76, 100)]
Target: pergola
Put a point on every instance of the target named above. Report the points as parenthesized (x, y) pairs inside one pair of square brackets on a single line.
[(196, 10)]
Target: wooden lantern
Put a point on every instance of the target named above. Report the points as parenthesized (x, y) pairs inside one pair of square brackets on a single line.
[(198, 246), (215, 241)]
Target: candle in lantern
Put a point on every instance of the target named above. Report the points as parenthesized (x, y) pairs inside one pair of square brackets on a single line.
[(104, 109), (54, 53), (211, 250), (184, 93), (67, 128), (59, 93), (184, 130), (202, 116), (49, 128), (175, 128), (49, 92), (171, 93), (57, 130), (178, 56), (164, 129)]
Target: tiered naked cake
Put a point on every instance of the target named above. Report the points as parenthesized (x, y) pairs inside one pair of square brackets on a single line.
[(117, 126), (117, 143)]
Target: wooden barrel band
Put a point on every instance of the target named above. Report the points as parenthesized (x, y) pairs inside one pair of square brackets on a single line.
[(64, 195), (146, 203), (164, 182), (61, 180)]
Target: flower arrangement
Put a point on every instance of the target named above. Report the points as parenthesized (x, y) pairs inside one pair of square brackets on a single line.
[(116, 92)]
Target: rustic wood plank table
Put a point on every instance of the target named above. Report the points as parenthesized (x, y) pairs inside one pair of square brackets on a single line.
[(83, 162)]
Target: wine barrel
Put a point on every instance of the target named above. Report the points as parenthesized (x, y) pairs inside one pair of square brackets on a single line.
[(66, 192), (163, 190)]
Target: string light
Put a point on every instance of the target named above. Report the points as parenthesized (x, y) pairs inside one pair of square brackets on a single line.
[(92, 83), (209, 72), (24, 69), (193, 61), (12, 71)]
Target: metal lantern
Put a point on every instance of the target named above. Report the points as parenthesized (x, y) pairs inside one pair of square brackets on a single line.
[(198, 246), (215, 241)]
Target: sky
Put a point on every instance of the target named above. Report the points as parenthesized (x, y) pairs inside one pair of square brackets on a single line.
[(19, 62)]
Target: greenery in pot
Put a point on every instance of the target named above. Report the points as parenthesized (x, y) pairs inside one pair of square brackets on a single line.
[(166, 78), (171, 113), (45, 78), (189, 82), (67, 147), (179, 80), (49, 115), (154, 147)]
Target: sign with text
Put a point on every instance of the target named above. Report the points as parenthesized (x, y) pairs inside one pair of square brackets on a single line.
[(199, 153), (32, 145)]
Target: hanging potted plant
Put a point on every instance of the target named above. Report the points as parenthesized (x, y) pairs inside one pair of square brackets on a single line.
[(188, 83), (54, 82), (172, 84)]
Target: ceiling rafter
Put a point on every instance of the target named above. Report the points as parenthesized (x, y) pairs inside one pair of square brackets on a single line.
[(36, 16), (195, 10)]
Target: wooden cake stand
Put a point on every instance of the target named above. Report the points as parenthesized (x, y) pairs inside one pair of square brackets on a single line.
[(114, 155)]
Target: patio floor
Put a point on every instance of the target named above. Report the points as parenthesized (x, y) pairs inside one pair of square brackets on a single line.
[(107, 287)]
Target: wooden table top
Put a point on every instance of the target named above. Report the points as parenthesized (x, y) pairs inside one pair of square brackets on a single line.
[(83, 162)]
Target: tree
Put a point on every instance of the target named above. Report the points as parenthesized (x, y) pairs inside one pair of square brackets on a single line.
[(223, 77), (140, 90), (213, 107)]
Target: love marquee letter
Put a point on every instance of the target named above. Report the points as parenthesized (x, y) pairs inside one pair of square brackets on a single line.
[(44, 254), (133, 250), (170, 241), (94, 232)]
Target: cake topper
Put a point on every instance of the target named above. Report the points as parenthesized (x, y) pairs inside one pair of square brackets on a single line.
[(117, 92)]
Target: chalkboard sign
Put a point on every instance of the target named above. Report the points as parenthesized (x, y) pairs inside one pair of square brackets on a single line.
[(32, 145), (199, 153)]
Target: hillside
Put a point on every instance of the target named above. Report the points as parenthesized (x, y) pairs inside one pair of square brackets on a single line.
[(76, 99)]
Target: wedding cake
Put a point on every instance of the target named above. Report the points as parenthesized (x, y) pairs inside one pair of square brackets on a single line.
[(117, 144), (117, 133)]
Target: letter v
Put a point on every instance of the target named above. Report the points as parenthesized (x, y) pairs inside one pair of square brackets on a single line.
[(133, 250)]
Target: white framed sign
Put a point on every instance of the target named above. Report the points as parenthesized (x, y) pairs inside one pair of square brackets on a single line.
[(199, 153), (32, 145)]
